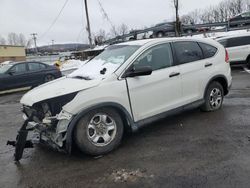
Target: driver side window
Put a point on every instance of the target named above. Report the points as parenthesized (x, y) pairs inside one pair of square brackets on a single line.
[(20, 68), (158, 57)]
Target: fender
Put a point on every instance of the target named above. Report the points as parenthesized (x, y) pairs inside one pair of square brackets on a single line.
[(77, 117), (214, 78)]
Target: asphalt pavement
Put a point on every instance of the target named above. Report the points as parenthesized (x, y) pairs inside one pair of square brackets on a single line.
[(192, 149)]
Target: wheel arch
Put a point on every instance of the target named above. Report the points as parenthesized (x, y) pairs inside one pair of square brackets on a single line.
[(127, 119), (222, 80)]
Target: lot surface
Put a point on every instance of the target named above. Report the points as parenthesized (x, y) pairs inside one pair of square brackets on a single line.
[(192, 149)]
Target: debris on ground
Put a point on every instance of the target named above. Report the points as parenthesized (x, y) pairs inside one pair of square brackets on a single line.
[(123, 175)]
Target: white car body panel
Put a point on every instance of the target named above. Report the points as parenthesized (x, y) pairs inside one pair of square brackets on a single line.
[(239, 53), (56, 88), (154, 94), (110, 91)]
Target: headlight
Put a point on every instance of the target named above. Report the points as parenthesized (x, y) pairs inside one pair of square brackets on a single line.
[(46, 110)]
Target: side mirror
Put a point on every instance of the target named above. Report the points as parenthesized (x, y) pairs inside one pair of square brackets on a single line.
[(138, 71), (11, 72)]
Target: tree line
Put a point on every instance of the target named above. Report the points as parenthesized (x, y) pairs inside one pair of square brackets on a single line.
[(218, 13), (16, 40)]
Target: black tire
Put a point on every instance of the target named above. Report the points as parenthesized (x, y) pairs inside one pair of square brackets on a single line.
[(248, 62), (48, 78), (82, 133), (189, 31), (160, 34), (210, 101)]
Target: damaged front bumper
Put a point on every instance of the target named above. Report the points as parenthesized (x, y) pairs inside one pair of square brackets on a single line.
[(52, 132)]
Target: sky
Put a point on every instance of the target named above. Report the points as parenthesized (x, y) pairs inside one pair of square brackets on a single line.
[(36, 16)]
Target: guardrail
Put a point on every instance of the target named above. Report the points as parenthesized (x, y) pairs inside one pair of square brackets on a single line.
[(227, 27)]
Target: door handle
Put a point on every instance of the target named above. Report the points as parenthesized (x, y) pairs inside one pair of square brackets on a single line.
[(174, 74), (208, 64)]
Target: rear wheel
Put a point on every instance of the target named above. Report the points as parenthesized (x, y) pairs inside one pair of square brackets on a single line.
[(49, 78), (190, 31), (248, 62), (99, 132), (160, 34), (213, 97)]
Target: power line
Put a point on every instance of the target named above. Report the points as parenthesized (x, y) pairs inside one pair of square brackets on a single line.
[(55, 20), (105, 15)]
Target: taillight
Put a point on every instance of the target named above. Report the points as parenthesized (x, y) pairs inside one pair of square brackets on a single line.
[(227, 57)]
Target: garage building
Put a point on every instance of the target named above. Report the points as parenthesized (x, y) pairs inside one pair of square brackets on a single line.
[(12, 53)]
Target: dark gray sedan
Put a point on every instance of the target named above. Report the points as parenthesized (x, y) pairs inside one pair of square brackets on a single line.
[(26, 74)]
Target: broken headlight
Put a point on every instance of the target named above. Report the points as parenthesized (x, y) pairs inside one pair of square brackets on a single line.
[(46, 110)]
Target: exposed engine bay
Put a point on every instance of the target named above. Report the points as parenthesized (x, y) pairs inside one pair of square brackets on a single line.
[(48, 122)]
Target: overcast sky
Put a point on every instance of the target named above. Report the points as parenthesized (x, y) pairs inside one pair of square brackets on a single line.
[(29, 16)]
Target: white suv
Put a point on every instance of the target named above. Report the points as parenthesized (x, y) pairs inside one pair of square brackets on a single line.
[(238, 47), (125, 87)]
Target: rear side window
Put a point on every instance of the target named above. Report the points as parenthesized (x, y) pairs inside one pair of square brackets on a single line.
[(238, 41), (187, 52), (208, 50), (34, 66), (42, 66)]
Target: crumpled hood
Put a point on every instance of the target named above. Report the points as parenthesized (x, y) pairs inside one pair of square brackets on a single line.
[(57, 88)]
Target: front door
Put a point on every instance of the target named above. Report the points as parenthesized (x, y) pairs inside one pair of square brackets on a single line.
[(158, 92)]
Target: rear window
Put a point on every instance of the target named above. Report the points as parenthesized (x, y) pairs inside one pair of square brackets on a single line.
[(208, 50), (223, 42), (238, 41), (187, 52)]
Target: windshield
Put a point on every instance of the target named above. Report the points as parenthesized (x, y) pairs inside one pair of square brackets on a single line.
[(105, 63), (4, 68)]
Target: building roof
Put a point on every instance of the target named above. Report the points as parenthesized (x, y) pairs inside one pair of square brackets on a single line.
[(3, 45)]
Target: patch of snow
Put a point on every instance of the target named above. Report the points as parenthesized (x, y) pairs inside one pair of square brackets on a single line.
[(220, 34), (72, 64), (92, 70)]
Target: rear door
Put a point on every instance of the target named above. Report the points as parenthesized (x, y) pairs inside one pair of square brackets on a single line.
[(238, 48), (36, 73), (158, 92), (193, 69)]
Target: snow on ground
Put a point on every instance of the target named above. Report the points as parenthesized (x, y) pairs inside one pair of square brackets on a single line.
[(220, 34)]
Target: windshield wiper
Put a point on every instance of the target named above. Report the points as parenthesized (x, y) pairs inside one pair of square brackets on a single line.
[(82, 77)]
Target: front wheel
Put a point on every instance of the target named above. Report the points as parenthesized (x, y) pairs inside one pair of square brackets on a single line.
[(49, 78), (99, 132), (213, 97)]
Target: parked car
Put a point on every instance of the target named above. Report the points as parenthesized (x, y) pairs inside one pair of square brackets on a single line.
[(26, 74), (125, 87), (168, 29), (238, 47), (245, 17)]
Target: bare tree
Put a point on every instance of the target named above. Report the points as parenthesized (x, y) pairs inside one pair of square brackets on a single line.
[(219, 13), (100, 37), (2, 40), (13, 39), (123, 29), (22, 40)]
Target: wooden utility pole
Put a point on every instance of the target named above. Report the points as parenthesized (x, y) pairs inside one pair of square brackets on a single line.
[(177, 19), (34, 38), (88, 24)]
